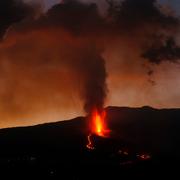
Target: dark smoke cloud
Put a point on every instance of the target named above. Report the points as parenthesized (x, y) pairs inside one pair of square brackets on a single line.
[(168, 51), (158, 29), (133, 13), (75, 17), (72, 47), (155, 29), (72, 16), (13, 11)]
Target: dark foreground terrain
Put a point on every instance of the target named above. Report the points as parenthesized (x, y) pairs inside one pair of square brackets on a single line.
[(144, 144)]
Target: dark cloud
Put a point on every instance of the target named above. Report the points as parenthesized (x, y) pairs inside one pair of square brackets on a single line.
[(156, 29), (13, 11), (168, 51), (71, 15), (75, 16), (134, 13)]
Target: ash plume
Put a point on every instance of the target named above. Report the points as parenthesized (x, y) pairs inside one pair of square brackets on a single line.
[(80, 19), (95, 88)]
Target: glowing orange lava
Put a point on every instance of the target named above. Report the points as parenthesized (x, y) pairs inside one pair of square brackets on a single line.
[(98, 124), (90, 145), (97, 127)]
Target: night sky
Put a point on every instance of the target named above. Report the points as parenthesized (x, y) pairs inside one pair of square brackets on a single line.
[(57, 66)]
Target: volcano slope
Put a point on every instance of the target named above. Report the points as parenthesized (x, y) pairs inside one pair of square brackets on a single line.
[(144, 143)]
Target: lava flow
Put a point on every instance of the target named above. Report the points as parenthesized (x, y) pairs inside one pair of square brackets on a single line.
[(97, 127), (90, 144)]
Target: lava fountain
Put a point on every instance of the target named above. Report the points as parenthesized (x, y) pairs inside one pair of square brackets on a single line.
[(97, 126)]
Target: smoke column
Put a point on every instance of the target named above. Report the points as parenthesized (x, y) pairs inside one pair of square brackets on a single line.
[(95, 81)]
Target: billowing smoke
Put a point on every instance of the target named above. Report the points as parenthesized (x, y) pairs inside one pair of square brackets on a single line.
[(13, 11), (50, 60), (78, 18), (94, 82), (158, 27), (167, 51)]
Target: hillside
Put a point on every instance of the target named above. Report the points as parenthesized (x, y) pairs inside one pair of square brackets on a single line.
[(57, 150)]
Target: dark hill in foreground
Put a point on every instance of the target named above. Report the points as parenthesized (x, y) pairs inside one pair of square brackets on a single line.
[(157, 130), (57, 150)]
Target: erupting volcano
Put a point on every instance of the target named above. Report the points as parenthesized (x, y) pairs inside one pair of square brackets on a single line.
[(98, 123), (97, 126)]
